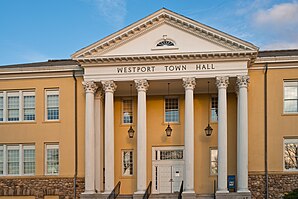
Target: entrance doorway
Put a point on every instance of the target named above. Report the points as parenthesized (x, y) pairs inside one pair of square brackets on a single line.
[(167, 169)]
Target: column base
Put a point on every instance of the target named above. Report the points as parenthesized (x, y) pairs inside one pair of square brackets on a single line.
[(188, 195)]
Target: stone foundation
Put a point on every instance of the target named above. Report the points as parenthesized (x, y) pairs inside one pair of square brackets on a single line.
[(279, 185), (40, 187)]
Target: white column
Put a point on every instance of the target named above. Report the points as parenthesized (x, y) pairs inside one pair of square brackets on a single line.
[(109, 87), (222, 84), (242, 135), (98, 115), (142, 87), (90, 88), (189, 84)]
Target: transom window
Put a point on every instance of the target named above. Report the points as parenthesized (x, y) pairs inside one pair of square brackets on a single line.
[(52, 159), (171, 109), (171, 154), (214, 109), (165, 43), (17, 106), (127, 162), (213, 161), (127, 111), (291, 96), (291, 154), (17, 159), (52, 104)]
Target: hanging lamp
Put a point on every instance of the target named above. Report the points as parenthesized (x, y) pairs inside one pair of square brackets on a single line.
[(130, 130), (208, 129), (168, 130)]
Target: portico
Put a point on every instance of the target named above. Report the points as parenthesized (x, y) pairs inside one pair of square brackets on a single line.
[(114, 68)]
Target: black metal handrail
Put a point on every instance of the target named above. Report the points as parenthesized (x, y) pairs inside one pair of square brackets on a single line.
[(148, 191), (181, 190), (115, 192)]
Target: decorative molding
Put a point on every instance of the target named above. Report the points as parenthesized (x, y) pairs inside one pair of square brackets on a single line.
[(189, 83), (99, 94), (141, 84), (222, 81), (242, 81), (90, 86), (109, 86), (171, 18)]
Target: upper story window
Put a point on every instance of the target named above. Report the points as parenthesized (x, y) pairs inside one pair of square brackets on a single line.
[(17, 106), (52, 104), (127, 113), (165, 43), (213, 161), (214, 109), (52, 159), (17, 159), (291, 154), (172, 109), (291, 96)]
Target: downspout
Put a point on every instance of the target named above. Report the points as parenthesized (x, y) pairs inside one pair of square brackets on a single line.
[(266, 132), (76, 137)]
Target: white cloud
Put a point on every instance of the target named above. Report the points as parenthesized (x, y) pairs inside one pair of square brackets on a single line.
[(32, 56), (281, 45), (113, 11)]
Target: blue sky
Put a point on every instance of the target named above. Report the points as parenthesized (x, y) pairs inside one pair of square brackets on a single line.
[(38, 30)]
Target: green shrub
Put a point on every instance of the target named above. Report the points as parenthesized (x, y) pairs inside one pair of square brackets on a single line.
[(292, 195)]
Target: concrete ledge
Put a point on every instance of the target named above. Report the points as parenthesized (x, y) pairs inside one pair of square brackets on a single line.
[(236, 195), (189, 195)]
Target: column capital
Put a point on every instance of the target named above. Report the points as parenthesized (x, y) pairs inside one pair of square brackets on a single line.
[(222, 81), (189, 83), (141, 84), (242, 81), (99, 94), (109, 86), (90, 86)]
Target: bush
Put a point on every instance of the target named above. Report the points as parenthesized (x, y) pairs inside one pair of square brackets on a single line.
[(292, 195)]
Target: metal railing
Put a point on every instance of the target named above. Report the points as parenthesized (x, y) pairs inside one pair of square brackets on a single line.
[(115, 192), (181, 190), (148, 191)]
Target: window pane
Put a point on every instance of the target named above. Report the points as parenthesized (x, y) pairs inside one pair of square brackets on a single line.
[(127, 166), (29, 161), (214, 109), (53, 113), (53, 100), (213, 161), (291, 93), (1, 162), (291, 156), (127, 111), (52, 160), (1, 108), (172, 110), (13, 161), (13, 108), (52, 106), (291, 106)]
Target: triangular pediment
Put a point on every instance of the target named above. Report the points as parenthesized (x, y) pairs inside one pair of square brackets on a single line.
[(164, 32)]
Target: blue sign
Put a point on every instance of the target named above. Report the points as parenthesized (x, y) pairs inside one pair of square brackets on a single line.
[(232, 183)]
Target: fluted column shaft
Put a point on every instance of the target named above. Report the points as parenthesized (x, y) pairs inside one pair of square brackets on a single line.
[(189, 85), (242, 135), (109, 87), (142, 87), (90, 88), (222, 84)]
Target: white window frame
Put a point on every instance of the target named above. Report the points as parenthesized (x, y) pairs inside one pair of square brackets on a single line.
[(132, 161), (284, 86), (132, 110), (28, 147), (20, 148), (47, 93), (28, 94), (20, 94), (210, 106), (2, 107), (286, 141), (210, 161), (178, 99), (51, 146)]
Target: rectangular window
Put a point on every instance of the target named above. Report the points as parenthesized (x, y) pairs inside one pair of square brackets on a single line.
[(13, 158), (214, 109), (291, 154), (52, 159), (291, 97), (213, 161), (52, 105), (1, 160), (29, 106), (171, 109), (127, 111), (127, 162), (171, 154), (29, 160), (13, 106), (1, 107)]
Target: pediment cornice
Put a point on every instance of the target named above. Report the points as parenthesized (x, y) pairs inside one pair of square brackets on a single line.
[(154, 20)]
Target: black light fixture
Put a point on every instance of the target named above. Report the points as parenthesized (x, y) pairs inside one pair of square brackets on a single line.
[(208, 129), (130, 130), (168, 129)]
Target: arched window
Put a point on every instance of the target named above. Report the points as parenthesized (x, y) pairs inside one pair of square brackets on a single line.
[(165, 43)]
